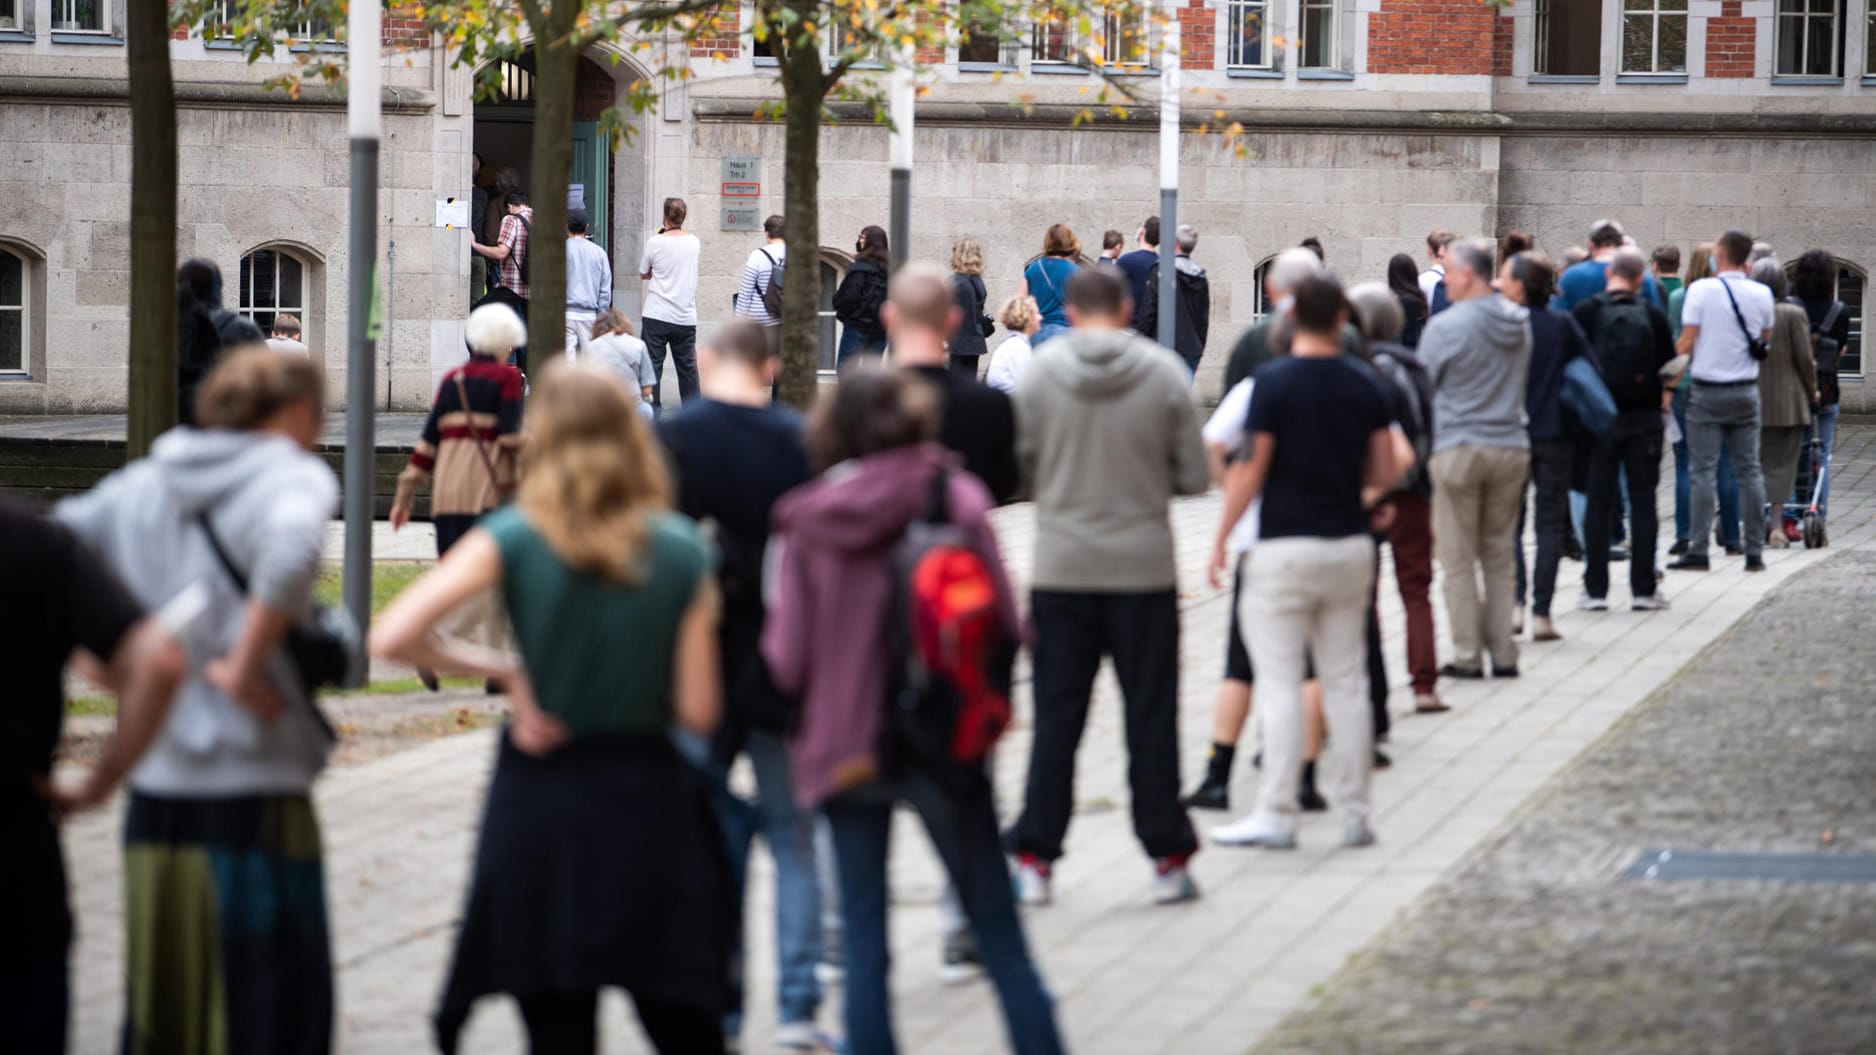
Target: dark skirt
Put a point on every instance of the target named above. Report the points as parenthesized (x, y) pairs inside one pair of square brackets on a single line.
[(600, 865), (225, 927)]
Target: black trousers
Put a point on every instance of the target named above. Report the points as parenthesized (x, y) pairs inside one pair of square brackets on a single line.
[(568, 1024), (1073, 632), (681, 342), (1634, 445), (1550, 479), (963, 365)]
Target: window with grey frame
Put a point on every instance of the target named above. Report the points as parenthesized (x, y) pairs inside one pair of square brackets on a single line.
[(1247, 37), (828, 329), (1053, 40), (272, 281), (78, 16), (1566, 38), (1126, 32), (982, 44), (1808, 38), (296, 30), (1654, 36), (1317, 25), (13, 319), (10, 14)]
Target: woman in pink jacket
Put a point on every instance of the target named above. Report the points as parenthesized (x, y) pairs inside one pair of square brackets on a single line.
[(828, 641)]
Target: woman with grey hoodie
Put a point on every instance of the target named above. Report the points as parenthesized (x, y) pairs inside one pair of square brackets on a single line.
[(225, 916)]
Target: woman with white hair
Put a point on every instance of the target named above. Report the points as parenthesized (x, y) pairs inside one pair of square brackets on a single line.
[(470, 445)]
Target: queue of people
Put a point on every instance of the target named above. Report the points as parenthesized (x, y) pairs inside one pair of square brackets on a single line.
[(826, 598)]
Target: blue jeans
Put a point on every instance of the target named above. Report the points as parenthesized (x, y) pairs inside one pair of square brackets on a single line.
[(857, 342), (1728, 483), (1824, 430), (1724, 418), (789, 831), (964, 832)]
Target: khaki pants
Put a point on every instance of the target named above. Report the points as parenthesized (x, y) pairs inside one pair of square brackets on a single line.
[(1476, 495), (1309, 597)]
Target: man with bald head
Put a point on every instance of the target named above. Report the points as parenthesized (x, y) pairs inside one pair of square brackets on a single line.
[(1269, 337), (1107, 436), (974, 419)]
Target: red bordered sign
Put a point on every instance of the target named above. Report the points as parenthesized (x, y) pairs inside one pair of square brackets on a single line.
[(742, 190)]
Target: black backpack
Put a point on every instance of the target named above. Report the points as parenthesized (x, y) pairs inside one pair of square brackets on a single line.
[(772, 293), (1827, 352), (527, 253), (1624, 340)]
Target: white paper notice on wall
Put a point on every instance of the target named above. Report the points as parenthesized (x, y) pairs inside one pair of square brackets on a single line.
[(452, 213)]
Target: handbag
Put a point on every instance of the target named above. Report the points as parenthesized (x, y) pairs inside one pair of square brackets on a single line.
[(1587, 396), (1755, 343), (505, 486), (326, 652)]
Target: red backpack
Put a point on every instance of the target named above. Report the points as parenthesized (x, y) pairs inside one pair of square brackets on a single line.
[(950, 698)]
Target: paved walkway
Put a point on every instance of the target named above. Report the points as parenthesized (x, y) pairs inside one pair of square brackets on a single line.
[(1213, 976)]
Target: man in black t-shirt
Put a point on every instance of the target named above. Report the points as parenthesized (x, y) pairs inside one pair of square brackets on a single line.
[(1632, 342), (1322, 452), (733, 454), (65, 600)]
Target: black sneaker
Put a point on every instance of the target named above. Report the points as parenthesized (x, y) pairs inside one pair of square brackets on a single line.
[(1679, 547), (1504, 672), (1689, 562), (1618, 553), (961, 963), (1208, 796), (1755, 564), (1309, 800), (1467, 673), (1734, 551)]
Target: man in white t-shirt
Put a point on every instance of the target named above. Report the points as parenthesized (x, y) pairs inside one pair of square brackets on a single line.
[(1437, 241), (758, 276), (1721, 320), (669, 266)]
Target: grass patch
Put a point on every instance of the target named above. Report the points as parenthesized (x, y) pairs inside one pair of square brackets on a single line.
[(388, 579), (91, 706)]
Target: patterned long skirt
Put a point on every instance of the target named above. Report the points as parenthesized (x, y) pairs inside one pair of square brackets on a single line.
[(225, 927)]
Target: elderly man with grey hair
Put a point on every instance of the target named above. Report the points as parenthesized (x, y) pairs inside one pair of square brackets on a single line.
[(1478, 354), (1269, 337), (1192, 314)]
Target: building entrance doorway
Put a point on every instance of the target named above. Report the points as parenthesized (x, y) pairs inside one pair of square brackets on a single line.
[(504, 139)]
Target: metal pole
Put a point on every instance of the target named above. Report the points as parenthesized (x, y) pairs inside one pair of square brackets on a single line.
[(364, 123), (902, 96), (1169, 178)]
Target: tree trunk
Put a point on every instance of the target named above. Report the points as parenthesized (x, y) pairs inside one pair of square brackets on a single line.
[(556, 65), (803, 88), (153, 380)]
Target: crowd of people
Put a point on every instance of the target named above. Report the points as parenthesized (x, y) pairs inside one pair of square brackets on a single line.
[(825, 598)]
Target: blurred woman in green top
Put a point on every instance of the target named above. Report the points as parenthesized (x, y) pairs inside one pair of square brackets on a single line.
[(599, 862)]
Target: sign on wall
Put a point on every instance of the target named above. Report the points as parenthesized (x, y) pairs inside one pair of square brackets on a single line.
[(742, 168), (742, 217)]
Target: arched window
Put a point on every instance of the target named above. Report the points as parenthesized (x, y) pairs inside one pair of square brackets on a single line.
[(1851, 282), (13, 313), (272, 281), (1259, 308)]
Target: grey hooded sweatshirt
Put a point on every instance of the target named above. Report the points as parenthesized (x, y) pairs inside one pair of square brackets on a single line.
[(269, 502), (1478, 353), (1106, 436)]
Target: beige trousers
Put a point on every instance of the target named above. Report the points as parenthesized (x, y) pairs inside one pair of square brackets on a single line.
[(1476, 495)]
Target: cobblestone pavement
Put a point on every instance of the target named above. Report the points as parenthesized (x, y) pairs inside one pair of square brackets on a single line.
[(1213, 976), (1539, 944)]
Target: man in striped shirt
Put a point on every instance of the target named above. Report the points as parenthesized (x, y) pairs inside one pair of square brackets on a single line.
[(758, 273)]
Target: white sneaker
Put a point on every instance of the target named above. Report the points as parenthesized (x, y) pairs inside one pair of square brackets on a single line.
[(1032, 883), (1172, 883), (1357, 834), (1586, 603), (796, 1037), (1654, 602), (1253, 830)]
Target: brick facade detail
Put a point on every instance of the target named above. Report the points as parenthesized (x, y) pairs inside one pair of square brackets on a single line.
[(1198, 33), (1731, 42), (1502, 35), (1432, 36), (722, 34), (401, 32), (593, 91)]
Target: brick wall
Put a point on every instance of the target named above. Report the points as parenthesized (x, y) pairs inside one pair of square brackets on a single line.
[(1502, 30), (403, 31), (1730, 42), (721, 35), (592, 91), (1432, 36), (1198, 31)]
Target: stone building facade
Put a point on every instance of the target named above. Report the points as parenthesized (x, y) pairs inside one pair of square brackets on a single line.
[(1366, 123)]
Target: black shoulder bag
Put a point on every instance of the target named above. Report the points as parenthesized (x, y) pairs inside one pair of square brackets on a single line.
[(326, 654), (1755, 343)]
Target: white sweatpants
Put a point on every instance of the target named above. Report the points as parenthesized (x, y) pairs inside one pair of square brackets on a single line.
[(1309, 596)]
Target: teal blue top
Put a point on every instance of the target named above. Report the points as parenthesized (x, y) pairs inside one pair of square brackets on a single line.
[(599, 653)]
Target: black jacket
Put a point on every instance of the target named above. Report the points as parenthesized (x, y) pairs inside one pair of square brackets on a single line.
[(1194, 317), (979, 423), (860, 296), (968, 338)]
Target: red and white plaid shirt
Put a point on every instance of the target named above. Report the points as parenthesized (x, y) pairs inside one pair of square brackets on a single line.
[(515, 237)]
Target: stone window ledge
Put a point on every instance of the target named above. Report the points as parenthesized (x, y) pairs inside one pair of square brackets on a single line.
[(1057, 69), (1254, 73), (1807, 82), (1324, 75), (16, 36), (1564, 78), (1651, 78), (98, 39), (988, 67)]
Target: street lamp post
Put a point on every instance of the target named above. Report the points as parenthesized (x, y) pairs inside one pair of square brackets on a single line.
[(1169, 177), (363, 121), (901, 99)]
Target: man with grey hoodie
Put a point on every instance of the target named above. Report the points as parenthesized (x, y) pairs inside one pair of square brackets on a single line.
[(1478, 353), (1106, 436)]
